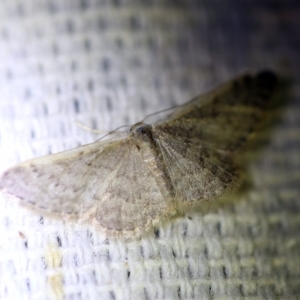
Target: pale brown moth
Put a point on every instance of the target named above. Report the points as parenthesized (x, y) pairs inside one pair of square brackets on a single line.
[(125, 186)]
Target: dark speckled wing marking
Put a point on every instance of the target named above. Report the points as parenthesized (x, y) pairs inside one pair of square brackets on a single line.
[(223, 118), (200, 141), (104, 183), (125, 186)]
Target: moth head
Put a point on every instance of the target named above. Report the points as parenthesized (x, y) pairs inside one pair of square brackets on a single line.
[(142, 132)]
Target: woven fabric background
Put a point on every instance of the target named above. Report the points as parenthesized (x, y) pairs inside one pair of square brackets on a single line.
[(109, 63)]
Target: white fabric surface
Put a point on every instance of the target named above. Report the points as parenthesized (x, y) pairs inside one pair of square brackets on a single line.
[(110, 63)]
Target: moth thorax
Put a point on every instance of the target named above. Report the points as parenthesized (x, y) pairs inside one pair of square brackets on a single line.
[(142, 132)]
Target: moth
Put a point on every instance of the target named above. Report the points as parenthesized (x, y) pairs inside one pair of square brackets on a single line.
[(125, 186)]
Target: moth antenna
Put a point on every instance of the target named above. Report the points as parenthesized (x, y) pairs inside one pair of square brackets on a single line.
[(87, 128), (161, 111), (113, 131)]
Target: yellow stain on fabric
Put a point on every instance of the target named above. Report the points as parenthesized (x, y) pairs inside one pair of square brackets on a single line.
[(53, 259)]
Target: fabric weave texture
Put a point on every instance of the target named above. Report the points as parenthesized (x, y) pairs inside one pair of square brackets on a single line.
[(110, 63)]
